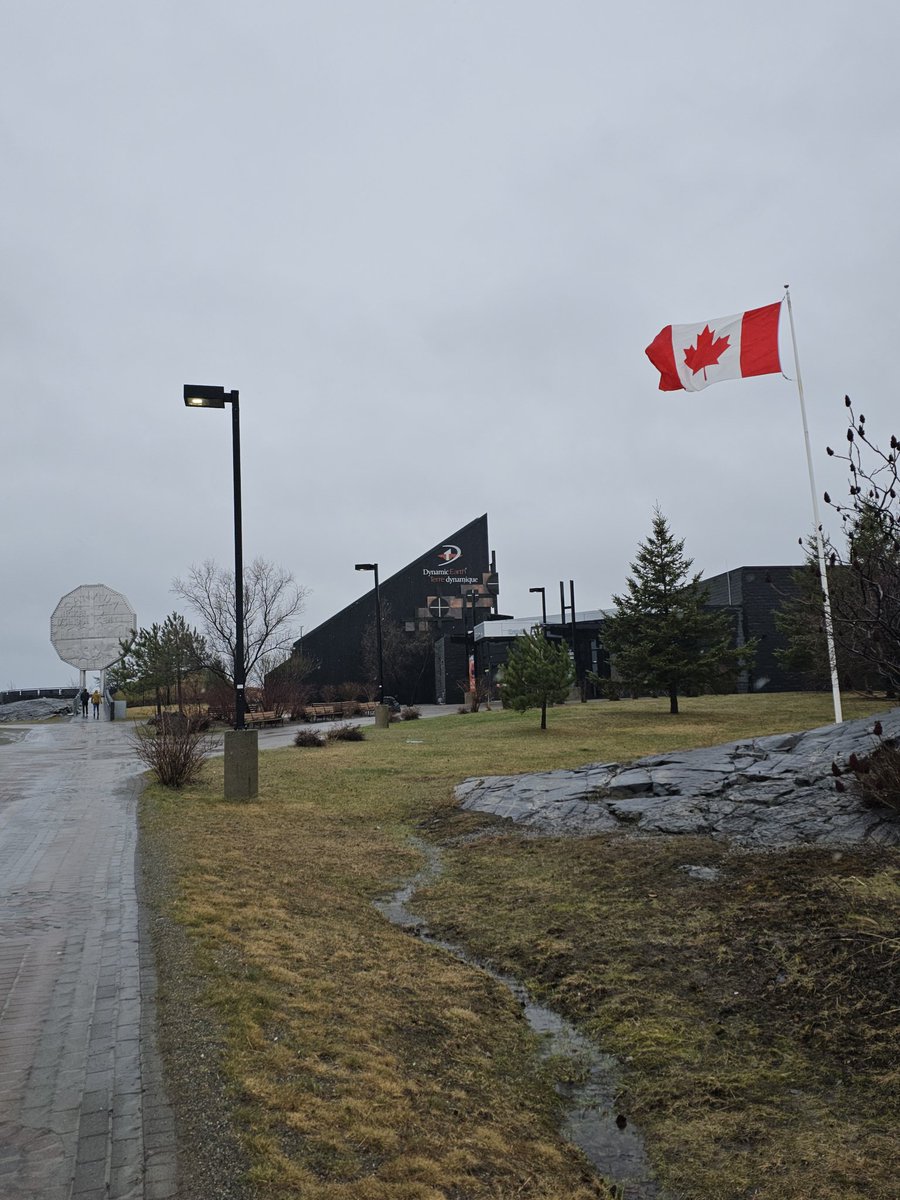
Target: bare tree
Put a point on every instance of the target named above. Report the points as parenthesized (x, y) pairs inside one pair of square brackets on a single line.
[(405, 653), (284, 682), (272, 602), (866, 616)]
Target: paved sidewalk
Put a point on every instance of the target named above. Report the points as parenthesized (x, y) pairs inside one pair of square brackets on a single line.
[(82, 1110)]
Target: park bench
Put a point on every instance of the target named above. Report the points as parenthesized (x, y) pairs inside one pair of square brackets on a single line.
[(263, 718), (323, 712)]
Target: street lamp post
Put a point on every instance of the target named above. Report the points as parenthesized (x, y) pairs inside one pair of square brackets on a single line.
[(381, 712), (543, 592), (578, 680), (241, 756), (471, 674)]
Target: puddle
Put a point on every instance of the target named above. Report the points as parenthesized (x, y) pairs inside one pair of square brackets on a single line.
[(591, 1118)]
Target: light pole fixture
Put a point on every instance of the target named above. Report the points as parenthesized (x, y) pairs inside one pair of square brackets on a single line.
[(379, 649), (242, 770), (471, 595), (572, 615), (543, 592)]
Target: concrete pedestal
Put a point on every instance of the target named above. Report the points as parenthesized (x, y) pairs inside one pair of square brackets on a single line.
[(241, 764), (382, 716)]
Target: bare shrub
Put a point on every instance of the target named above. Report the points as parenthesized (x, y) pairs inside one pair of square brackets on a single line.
[(351, 690), (410, 713), (174, 753), (285, 683), (308, 737), (345, 732), (876, 776)]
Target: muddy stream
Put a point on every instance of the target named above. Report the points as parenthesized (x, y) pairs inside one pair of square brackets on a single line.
[(612, 1144)]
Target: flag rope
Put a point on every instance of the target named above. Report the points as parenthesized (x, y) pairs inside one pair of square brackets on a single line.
[(820, 545)]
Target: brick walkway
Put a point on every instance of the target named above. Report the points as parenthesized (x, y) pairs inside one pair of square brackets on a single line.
[(82, 1109)]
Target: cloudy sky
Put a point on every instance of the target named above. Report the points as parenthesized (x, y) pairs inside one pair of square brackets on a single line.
[(428, 241)]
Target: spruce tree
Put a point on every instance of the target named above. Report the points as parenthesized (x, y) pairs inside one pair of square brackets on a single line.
[(662, 636), (538, 672), (162, 656)]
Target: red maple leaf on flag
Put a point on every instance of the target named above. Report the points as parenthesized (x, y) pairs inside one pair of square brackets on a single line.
[(707, 352)]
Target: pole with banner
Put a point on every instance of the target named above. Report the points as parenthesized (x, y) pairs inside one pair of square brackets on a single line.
[(691, 357), (820, 544)]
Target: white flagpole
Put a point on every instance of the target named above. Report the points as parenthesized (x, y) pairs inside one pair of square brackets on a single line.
[(820, 545)]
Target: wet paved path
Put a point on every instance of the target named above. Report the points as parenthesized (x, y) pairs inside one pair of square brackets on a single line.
[(82, 1110)]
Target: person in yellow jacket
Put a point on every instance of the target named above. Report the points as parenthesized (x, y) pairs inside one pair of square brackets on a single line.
[(95, 700)]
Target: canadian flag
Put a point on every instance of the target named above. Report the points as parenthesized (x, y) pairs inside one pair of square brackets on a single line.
[(691, 357)]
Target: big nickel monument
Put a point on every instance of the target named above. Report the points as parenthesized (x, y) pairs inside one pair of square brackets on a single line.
[(87, 626)]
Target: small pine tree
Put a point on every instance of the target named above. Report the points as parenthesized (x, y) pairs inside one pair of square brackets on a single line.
[(662, 634), (161, 657), (537, 673)]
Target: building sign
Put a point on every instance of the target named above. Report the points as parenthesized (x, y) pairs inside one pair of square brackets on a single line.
[(450, 554)]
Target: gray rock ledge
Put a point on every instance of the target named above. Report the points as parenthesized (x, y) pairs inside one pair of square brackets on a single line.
[(765, 792)]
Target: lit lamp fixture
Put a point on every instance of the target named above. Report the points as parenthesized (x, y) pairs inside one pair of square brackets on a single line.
[(378, 645), (241, 760)]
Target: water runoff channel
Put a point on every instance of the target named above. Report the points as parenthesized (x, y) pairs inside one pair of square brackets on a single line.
[(611, 1143)]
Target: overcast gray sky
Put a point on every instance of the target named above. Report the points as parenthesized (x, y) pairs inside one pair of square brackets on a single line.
[(428, 241)]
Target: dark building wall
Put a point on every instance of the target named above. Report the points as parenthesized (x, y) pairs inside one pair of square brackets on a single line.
[(428, 599), (757, 593), (590, 655)]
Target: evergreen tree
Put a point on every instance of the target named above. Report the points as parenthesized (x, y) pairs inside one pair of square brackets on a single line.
[(538, 672), (162, 657), (662, 635)]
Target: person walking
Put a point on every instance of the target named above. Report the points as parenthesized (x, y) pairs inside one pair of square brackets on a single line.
[(84, 695), (95, 700)]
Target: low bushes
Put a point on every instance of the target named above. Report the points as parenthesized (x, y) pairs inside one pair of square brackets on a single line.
[(345, 732), (876, 776), (308, 738), (174, 751)]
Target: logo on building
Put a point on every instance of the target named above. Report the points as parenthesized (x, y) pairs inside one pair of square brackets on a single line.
[(450, 554), (438, 607)]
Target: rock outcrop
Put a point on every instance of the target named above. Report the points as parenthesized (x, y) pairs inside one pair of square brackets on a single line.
[(763, 792), (36, 710)]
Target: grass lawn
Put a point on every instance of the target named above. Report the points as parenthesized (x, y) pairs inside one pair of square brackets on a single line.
[(754, 1016)]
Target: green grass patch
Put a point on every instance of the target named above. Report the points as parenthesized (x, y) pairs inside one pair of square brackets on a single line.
[(752, 1015)]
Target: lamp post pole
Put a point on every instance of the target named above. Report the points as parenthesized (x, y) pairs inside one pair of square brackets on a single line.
[(379, 647), (572, 614), (471, 671), (241, 746), (543, 592), (240, 681), (379, 644)]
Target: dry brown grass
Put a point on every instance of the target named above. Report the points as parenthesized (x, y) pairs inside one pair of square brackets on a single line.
[(369, 1066), (757, 1014)]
